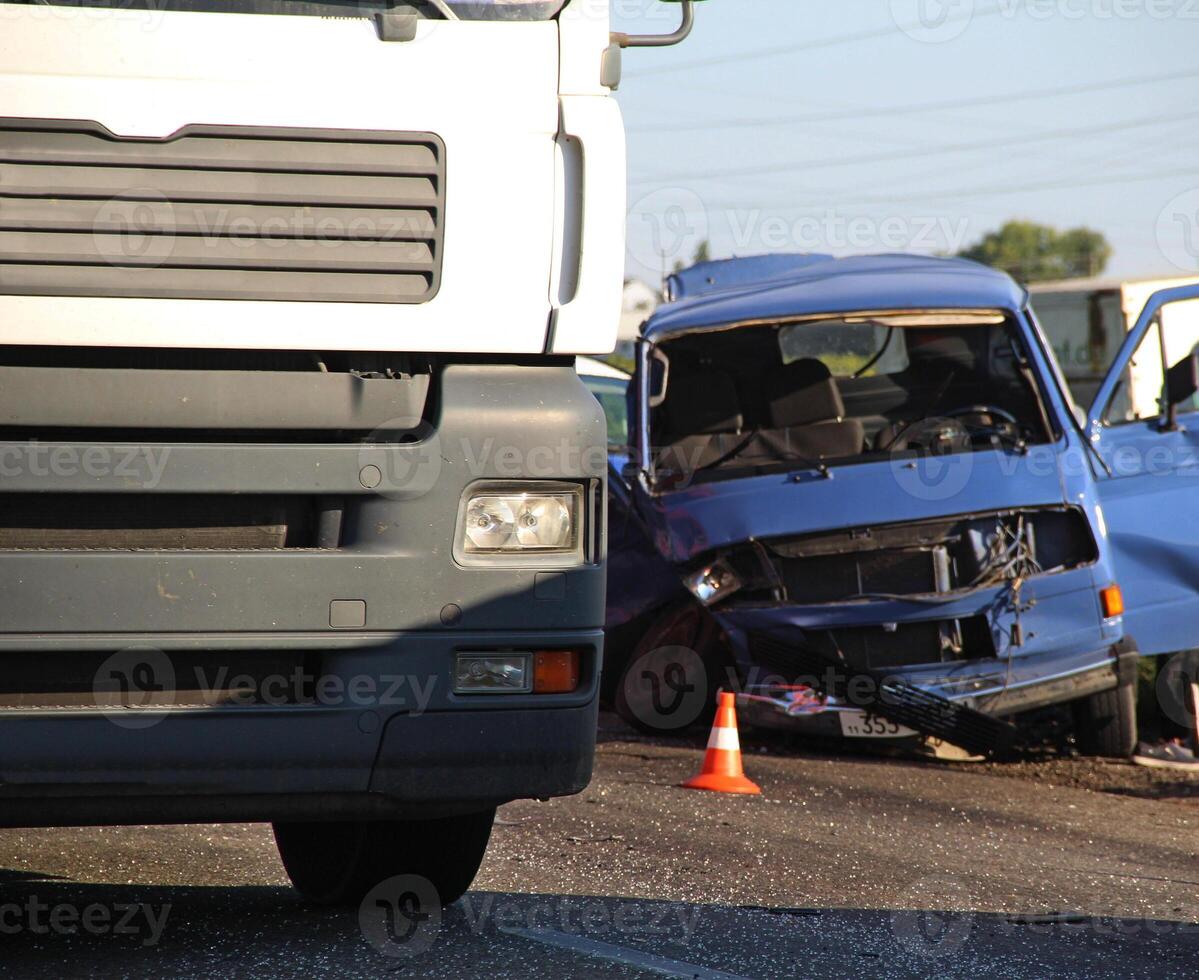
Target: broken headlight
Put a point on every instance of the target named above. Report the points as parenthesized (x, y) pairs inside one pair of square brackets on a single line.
[(713, 583)]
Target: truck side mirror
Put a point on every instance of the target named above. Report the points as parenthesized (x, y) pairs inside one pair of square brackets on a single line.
[(1182, 382), (661, 40)]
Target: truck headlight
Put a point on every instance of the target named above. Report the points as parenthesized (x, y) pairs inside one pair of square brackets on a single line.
[(535, 521)]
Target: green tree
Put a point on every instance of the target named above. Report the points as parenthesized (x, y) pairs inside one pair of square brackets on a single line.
[(703, 253), (1036, 253)]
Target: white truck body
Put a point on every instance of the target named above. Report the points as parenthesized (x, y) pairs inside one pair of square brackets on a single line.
[(534, 174), (1086, 321)]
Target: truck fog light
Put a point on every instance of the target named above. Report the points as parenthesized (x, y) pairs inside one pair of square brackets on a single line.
[(542, 520), (496, 673), (555, 671), (713, 583), (1112, 599)]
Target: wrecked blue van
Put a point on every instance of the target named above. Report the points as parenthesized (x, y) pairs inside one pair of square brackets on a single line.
[(858, 492)]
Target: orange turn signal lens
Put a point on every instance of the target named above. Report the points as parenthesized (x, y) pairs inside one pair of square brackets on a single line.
[(555, 671), (1113, 601)]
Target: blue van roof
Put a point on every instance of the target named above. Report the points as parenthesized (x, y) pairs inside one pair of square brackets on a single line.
[(707, 277), (771, 287)]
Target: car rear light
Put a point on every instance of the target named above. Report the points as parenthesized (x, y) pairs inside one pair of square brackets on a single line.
[(555, 671), (1112, 599)]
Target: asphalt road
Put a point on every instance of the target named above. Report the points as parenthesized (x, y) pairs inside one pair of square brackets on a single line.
[(851, 866)]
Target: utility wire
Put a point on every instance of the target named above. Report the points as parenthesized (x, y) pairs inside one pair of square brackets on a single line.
[(885, 157), (1015, 187), (816, 45), (1090, 166), (916, 107)]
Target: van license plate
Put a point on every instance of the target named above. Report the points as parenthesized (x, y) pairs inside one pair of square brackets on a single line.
[(858, 724)]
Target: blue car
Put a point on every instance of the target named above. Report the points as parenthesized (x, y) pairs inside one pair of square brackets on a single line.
[(858, 492)]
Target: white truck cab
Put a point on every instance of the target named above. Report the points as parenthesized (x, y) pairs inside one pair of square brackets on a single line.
[(373, 177)]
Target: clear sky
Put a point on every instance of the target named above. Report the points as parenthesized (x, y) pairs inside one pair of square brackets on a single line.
[(854, 126)]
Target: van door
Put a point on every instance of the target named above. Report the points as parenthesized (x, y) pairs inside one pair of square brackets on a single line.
[(1149, 487)]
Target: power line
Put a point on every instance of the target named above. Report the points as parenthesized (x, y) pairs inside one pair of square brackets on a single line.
[(842, 197), (917, 107), (831, 42), (815, 164), (1015, 187), (1095, 163), (1020, 187)]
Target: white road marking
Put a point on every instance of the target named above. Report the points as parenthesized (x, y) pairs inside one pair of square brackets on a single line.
[(622, 955)]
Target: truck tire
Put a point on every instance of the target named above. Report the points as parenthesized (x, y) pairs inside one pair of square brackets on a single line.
[(1105, 724), (670, 680), (338, 863)]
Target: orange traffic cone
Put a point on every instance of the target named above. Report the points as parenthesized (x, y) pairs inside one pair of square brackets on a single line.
[(722, 772)]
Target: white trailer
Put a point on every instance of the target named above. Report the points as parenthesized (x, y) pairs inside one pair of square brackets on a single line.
[(1086, 321)]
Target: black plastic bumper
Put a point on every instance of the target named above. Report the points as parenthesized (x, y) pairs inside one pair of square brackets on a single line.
[(428, 765)]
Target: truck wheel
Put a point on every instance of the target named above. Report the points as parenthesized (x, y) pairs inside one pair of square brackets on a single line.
[(1105, 724), (338, 863), (671, 678)]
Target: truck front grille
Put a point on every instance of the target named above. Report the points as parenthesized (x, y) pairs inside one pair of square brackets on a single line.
[(142, 677), (220, 213), (162, 522)]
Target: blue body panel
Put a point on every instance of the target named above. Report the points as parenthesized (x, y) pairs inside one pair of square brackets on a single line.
[(688, 523), (640, 578), (1150, 498)]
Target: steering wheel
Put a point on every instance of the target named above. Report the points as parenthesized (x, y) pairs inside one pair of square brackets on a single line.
[(937, 435), (993, 410), (944, 433)]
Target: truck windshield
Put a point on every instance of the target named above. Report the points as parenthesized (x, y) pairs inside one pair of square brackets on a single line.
[(464, 9), (841, 390)]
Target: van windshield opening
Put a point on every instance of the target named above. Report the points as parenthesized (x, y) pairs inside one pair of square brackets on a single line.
[(841, 390)]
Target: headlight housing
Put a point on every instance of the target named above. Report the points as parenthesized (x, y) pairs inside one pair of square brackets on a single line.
[(710, 585), (521, 523)]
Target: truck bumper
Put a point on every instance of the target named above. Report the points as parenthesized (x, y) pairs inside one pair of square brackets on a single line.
[(305, 679), (387, 738)]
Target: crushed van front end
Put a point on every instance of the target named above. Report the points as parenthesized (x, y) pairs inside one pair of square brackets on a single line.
[(998, 611)]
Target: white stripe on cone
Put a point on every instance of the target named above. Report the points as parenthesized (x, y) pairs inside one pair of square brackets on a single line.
[(724, 739)]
